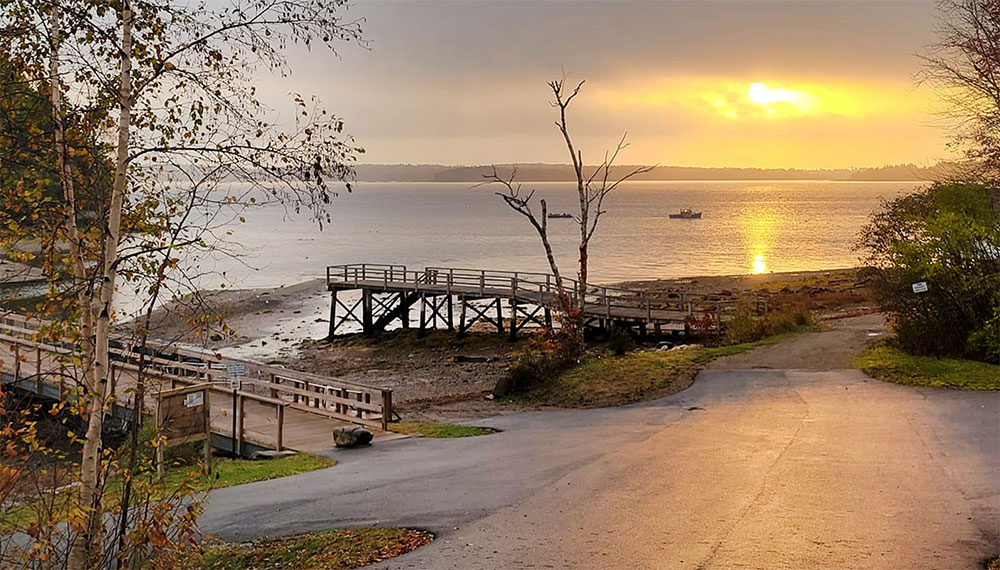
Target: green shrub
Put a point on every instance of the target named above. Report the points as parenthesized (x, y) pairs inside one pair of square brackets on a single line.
[(745, 325), (619, 341), (946, 236), (544, 357), (984, 344)]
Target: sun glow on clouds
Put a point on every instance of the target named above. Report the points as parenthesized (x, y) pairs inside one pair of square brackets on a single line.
[(766, 100), (759, 100), (768, 122)]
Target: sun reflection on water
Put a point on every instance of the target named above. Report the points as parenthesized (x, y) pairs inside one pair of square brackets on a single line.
[(759, 224)]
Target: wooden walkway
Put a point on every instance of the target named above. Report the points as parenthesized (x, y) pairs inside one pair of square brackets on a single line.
[(273, 407), (509, 301)]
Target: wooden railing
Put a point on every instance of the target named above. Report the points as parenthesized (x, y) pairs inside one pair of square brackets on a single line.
[(272, 386), (532, 287)]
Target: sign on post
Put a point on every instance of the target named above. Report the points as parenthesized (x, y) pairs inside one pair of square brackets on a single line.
[(183, 416), (920, 287), (236, 371)]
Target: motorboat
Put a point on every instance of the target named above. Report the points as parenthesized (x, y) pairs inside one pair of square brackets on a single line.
[(687, 214)]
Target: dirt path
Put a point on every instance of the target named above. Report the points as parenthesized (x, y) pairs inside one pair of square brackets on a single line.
[(831, 348)]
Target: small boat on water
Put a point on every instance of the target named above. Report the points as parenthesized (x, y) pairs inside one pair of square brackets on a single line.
[(555, 215), (687, 214)]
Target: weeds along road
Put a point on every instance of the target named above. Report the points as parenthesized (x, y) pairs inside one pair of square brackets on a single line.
[(751, 468)]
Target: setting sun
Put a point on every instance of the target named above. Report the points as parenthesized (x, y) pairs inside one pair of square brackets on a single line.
[(775, 98)]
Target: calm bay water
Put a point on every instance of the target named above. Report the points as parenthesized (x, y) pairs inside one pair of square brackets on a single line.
[(747, 226)]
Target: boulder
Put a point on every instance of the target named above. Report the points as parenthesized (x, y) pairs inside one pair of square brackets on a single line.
[(352, 436), (503, 387)]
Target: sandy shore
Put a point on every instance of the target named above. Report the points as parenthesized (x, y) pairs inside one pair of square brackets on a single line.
[(12, 272), (263, 324)]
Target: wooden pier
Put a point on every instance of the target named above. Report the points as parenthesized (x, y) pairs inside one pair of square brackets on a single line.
[(457, 299), (267, 407)]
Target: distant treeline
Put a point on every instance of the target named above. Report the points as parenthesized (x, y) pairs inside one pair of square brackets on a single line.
[(564, 172)]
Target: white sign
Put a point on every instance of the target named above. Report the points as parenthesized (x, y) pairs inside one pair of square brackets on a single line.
[(236, 369), (920, 287), (194, 399)]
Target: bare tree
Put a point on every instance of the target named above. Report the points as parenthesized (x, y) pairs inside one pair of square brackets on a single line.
[(591, 189), (963, 66)]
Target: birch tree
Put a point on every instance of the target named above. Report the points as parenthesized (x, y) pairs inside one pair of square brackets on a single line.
[(175, 85)]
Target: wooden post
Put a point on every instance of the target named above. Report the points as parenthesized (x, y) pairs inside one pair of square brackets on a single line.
[(513, 319), (461, 321), (404, 311), (386, 408), (159, 443), (279, 445), (366, 311), (333, 313), (38, 371), (17, 362), (159, 461), (451, 317), (548, 317), (208, 434), (273, 380), (423, 314), (499, 315), (241, 408), (235, 413)]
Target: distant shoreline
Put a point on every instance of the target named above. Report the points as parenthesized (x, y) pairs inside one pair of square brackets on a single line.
[(530, 181), (564, 173)]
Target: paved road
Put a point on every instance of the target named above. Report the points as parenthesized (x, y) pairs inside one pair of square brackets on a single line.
[(758, 469)]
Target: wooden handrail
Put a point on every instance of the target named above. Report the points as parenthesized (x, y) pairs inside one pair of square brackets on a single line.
[(530, 286), (372, 406)]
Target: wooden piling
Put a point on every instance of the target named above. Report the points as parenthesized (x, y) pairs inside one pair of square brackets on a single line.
[(513, 319), (423, 314), (333, 313)]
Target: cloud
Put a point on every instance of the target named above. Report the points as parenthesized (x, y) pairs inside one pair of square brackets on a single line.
[(464, 82)]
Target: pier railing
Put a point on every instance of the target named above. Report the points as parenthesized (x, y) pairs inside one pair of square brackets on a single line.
[(532, 287)]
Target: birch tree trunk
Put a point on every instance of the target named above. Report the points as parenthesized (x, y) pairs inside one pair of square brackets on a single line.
[(80, 276), (88, 548)]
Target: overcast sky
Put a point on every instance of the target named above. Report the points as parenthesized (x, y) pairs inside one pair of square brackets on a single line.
[(813, 84)]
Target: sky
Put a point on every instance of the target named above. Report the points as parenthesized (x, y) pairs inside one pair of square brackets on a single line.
[(790, 84)]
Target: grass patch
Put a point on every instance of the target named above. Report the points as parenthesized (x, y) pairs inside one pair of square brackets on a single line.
[(326, 550), (888, 363), (431, 429), (230, 472), (225, 473), (618, 380), (993, 564)]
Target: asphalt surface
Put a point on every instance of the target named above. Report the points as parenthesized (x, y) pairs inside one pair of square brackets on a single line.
[(760, 469)]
